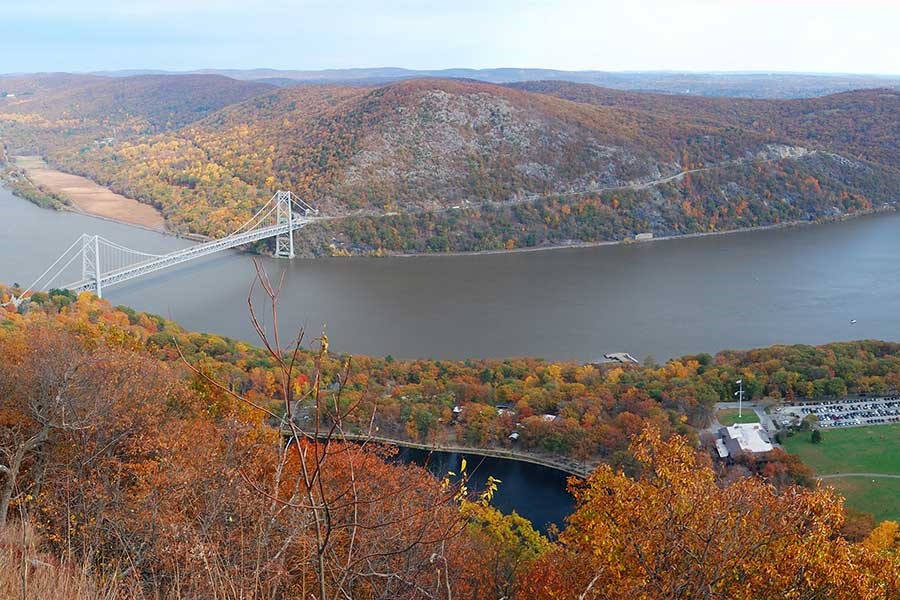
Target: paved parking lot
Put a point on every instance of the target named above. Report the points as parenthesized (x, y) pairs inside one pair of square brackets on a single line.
[(850, 412)]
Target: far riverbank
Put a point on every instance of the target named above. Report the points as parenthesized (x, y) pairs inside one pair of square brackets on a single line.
[(88, 196), (667, 238), (93, 199)]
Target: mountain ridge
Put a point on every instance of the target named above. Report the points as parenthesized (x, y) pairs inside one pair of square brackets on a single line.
[(453, 165), (738, 84)]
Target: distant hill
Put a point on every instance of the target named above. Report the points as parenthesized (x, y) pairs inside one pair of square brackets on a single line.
[(745, 85), (23, 86), (138, 104), (863, 123), (435, 165)]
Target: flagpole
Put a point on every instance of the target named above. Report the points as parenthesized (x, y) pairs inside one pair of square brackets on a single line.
[(740, 395)]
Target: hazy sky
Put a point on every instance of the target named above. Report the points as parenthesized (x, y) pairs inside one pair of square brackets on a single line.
[(861, 36)]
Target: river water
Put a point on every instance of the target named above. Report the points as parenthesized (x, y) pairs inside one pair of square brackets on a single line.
[(664, 299)]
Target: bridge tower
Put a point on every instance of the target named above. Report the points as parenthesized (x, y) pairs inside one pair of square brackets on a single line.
[(284, 243), (90, 260)]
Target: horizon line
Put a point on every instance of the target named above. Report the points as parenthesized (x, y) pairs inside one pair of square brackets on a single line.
[(200, 70)]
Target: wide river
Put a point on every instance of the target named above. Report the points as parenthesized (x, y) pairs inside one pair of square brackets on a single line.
[(662, 299)]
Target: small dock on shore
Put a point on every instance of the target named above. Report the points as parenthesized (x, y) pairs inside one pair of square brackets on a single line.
[(618, 357)]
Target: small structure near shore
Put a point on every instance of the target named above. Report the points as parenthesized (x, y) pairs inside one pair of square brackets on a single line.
[(618, 357)]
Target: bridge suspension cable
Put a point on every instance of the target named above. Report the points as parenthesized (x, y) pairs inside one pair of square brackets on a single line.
[(253, 219), (105, 262), (56, 262)]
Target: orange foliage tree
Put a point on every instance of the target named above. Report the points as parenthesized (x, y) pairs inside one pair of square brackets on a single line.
[(341, 521), (676, 533)]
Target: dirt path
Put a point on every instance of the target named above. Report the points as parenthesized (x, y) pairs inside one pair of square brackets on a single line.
[(89, 197), (872, 475)]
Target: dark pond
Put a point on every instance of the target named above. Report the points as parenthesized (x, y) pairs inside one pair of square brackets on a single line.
[(536, 492)]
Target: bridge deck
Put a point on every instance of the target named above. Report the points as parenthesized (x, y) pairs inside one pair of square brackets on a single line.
[(181, 256)]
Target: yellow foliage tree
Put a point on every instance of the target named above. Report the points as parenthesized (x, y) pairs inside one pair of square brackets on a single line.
[(676, 533)]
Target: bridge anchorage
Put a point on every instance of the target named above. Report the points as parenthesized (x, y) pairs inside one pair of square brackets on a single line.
[(105, 263)]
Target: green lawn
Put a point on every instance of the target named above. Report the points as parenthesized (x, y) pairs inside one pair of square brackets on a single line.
[(880, 497), (857, 450), (729, 416), (873, 449)]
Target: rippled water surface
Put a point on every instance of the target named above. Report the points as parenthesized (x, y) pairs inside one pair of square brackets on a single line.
[(661, 299)]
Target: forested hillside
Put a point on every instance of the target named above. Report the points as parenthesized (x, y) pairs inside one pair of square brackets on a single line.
[(598, 407), (860, 124), (78, 111), (140, 460), (161, 101), (437, 165)]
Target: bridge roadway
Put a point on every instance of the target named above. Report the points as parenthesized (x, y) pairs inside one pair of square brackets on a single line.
[(186, 254)]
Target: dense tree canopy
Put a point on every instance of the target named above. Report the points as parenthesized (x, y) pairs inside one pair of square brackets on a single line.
[(166, 477), (673, 532)]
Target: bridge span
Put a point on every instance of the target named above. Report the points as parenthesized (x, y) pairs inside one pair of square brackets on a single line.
[(105, 263)]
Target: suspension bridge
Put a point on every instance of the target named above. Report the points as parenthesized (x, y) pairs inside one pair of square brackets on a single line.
[(105, 263)]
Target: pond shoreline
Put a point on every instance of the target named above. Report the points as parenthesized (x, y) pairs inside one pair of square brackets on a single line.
[(568, 466)]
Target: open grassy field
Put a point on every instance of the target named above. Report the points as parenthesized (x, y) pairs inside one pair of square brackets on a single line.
[(857, 450), (852, 450), (881, 497), (729, 416)]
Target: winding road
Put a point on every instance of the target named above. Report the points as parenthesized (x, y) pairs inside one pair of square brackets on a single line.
[(630, 185)]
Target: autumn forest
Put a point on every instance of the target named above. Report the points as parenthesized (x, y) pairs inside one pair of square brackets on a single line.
[(155, 456), (437, 165), (142, 460)]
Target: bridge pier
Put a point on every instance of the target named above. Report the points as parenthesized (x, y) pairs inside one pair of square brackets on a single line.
[(122, 263), (284, 213), (90, 260)]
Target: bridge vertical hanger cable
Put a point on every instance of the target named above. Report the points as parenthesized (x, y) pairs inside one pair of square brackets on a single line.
[(106, 263), (128, 250), (61, 256), (253, 218)]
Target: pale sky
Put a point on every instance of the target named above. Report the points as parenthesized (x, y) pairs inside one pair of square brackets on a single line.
[(846, 36)]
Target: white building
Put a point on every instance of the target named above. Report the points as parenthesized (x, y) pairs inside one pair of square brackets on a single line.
[(743, 438)]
